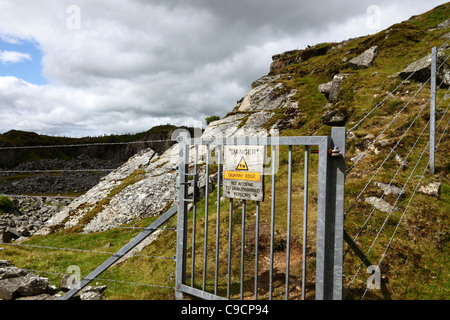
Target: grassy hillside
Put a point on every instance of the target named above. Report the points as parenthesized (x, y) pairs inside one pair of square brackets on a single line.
[(414, 264)]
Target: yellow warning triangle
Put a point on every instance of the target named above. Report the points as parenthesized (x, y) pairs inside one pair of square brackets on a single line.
[(242, 165)]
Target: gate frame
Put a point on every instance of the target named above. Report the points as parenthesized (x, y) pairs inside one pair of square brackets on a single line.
[(330, 207)]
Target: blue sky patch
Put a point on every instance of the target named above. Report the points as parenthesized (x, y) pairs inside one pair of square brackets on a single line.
[(22, 60)]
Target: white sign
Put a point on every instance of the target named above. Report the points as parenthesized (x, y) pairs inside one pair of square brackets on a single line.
[(243, 172)]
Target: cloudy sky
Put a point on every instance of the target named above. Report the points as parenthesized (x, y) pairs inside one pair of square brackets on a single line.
[(94, 67)]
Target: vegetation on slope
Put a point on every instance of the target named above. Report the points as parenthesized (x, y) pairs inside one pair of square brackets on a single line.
[(416, 263)]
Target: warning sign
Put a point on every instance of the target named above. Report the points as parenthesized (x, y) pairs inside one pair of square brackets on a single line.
[(242, 165), (249, 176), (243, 172)]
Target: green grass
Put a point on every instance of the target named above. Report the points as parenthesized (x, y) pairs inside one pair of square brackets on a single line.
[(416, 263)]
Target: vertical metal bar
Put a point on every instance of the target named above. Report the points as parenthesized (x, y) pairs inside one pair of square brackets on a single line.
[(256, 249), (242, 248), (230, 232), (338, 135), (330, 217), (194, 222), (183, 169), (433, 109), (321, 216), (305, 220), (219, 157), (288, 240), (272, 223), (205, 249)]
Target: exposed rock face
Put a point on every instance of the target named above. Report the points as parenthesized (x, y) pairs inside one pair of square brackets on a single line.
[(28, 216), (420, 70), (364, 60), (116, 200), (296, 56), (265, 97), (444, 25), (73, 180)]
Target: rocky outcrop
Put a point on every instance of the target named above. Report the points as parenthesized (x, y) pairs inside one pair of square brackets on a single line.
[(34, 176), (280, 61), (364, 60), (444, 25), (266, 97), (432, 189), (390, 189), (335, 117), (146, 184), (380, 204), (331, 89), (28, 216), (326, 88), (79, 168), (20, 284), (420, 70)]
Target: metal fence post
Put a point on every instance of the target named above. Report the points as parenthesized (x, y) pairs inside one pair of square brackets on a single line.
[(433, 108), (330, 217), (338, 137), (182, 181)]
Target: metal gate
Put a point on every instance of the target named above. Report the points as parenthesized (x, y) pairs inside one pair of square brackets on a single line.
[(229, 252)]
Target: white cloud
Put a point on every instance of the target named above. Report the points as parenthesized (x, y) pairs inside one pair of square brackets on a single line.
[(134, 64), (13, 57)]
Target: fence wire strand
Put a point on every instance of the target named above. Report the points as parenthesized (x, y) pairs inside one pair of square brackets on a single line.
[(81, 250), (391, 93), (394, 205), (85, 144), (102, 279), (387, 157), (384, 130), (405, 210), (384, 222), (384, 192)]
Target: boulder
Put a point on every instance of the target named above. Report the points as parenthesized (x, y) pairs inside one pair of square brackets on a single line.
[(325, 88), (9, 287), (364, 60), (92, 293), (5, 263), (335, 117), (44, 296), (420, 70), (432, 189), (9, 234), (379, 204), (11, 272), (331, 89), (16, 283), (390, 189), (33, 285), (444, 25), (336, 86)]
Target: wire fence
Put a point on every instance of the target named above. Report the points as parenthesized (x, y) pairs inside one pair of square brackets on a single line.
[(411, 131), (19, 219), (408, 128)]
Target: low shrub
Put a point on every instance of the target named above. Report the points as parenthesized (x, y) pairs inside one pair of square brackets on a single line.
[(6, 204)]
